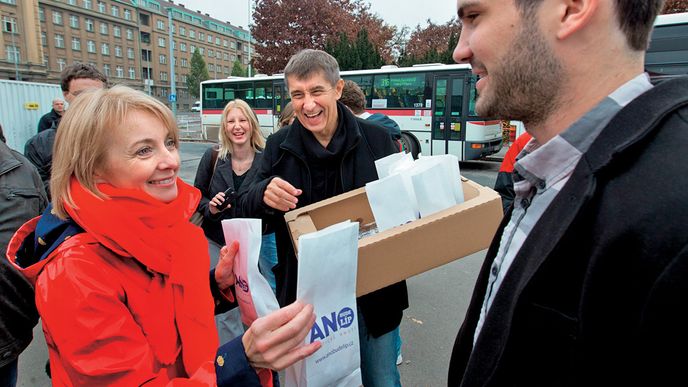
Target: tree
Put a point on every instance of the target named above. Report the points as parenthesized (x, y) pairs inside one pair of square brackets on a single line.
[(357, 55), (283, 27), (675, 6), (198, 74), (238, 70), (431, 44)]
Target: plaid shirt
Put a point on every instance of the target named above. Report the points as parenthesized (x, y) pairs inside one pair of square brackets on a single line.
[(541, 171)]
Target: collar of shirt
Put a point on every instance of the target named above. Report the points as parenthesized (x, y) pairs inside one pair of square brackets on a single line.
[(543, 165)]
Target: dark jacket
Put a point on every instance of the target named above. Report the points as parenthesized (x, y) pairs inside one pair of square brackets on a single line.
[(21, 198), (49, 120), (285, 157), (210, 184), (39, 150), (388, 123), (598, 293)]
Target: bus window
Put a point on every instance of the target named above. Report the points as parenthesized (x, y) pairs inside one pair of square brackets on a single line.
[(456, 105), (667, 55), (399, 91), (365, 82), (472, 94), (213, 98), (263, 96)]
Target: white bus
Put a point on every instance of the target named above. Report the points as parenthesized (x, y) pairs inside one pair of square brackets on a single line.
[(433, 105), (667, 55)]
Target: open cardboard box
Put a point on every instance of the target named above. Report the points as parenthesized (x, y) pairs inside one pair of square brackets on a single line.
[(401, 252)]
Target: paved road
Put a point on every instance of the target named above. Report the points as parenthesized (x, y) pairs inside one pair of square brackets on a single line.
[(438, 300)]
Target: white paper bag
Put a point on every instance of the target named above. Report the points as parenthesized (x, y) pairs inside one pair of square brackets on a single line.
[(432, 189), (328, 261), (390, 202), (450, 166), (385, 165), (254, 294)]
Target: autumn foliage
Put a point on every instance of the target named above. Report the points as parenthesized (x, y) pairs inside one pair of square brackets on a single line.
[(675, 6)]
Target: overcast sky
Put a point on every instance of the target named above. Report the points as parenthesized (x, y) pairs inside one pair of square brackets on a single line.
[(394, 12)]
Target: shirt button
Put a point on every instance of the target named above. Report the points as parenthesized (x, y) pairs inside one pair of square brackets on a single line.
[(525, 203), (495, 271), (542, 185)]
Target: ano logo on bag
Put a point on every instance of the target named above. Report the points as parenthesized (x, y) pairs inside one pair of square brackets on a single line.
[(332, 323)]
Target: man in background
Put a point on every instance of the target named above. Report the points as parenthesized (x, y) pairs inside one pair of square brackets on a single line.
[(53, 117), (21, 198), (73, 80)]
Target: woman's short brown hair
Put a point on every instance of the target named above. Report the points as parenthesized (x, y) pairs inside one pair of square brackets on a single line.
[(81, 142), (257, 140)]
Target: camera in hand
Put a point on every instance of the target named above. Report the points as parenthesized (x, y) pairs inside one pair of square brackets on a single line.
[(230, 197)]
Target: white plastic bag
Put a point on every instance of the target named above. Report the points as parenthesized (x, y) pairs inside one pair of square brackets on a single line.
[(328, 261)]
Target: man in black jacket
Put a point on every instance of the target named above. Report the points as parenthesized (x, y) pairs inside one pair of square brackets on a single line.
[(39, 148), (325, 152), (585, 282), (21, 198), (53, 117)]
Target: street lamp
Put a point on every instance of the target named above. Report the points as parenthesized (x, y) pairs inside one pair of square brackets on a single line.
[(250, 3), (173, 90)]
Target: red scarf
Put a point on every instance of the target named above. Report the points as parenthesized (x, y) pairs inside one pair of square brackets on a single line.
[(159, 235)]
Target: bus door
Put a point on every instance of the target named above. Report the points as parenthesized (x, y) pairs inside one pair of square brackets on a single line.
[(447, 118), (279, 101)]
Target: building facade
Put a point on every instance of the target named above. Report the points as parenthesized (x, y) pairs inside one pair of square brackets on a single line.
[(126, 39)]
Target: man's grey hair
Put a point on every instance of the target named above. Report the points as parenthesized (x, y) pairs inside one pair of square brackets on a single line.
[(306, 63)]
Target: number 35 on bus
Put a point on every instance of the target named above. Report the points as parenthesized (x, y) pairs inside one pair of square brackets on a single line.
[(433, 104)]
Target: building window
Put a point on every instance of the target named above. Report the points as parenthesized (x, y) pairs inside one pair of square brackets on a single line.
[(201, 36), (41, 14), (102, 7), (130, 34), (61, 63), (114, 10), (76, 44), (201, 50), (127, 14), (13, 2), (12, 54), (103, 29), (146, 73), (91, 46), (117, 31), (217, 41), (146, 55), (90, 26), (57, 17), (232, 45), (161, 42), (210, 38), (59, 41), (144, 19), (119, 72), (88, 4), (163, 59), (210, 53), (73, 21), (192, 34), (185, 63), (182, 31), (46, 60), (130, 53), (118, 51), (9, 24), (106, 70), (182, 47), (225, 56), (72, 2), (105, 49), (211, 67), (163, 75), (160, 24), (132, 73), (225, 43), (164, 92), (44, 39), (192, 48)]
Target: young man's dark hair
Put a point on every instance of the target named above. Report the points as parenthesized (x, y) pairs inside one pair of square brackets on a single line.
[(353, 97), (80, 71)]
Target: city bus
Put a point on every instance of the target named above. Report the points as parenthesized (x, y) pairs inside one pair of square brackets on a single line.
[(667, 56), (433, 104)]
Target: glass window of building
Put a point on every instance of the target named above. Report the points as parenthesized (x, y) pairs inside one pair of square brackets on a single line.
[(9, 24), (61, 63), (57, 17), (91, 46), (41, 14), (232, 45), (225, 42), (88, 4), (59, 40), (217, 41), (163, 59), (71, 2), (210, 38), (192, 48), (161, 42), (74, 21), (117, 31), (160, 24), (105, 49), (90, 26), (76, 44), (201, 35), (163, 75), (144, 19), (210, 53), (44, 39), (102, 7), (192, 34), (118, 51), (114, 11), (119, 72), (130, 53), (132, 73), (103, 29), (182, 47), (130, 34), (13, 2), (127, 14), (106, 70), (12, 54), (201, 50)]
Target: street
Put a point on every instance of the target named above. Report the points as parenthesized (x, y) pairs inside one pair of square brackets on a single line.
[(438, 300)]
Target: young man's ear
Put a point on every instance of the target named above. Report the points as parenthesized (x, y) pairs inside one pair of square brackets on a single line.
[(574, 15)]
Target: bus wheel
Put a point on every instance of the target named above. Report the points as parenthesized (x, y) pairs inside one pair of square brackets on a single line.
[(409, 144)]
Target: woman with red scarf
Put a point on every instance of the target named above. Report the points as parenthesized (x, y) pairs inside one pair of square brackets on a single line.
[(121, 275)]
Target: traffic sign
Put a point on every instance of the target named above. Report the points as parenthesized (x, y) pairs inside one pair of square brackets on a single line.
[(172, 98)]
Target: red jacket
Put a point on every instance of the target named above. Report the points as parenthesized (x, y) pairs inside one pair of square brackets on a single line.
[(115, 334)]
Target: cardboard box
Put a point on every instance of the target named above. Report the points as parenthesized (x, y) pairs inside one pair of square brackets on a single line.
[(399, 253)]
